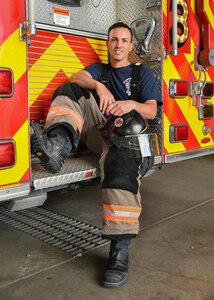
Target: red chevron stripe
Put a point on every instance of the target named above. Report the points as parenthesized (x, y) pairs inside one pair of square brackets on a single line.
[(26, 176), (15, 109), (12, 13), (76, 43), (165, 31), (40, 107)]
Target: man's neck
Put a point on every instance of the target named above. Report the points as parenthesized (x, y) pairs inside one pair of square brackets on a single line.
[(119, 64)]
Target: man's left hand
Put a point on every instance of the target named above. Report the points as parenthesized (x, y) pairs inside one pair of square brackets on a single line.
[(121, 107)]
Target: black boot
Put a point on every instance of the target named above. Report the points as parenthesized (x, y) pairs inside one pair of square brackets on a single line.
[(116, 272), (52, 148)]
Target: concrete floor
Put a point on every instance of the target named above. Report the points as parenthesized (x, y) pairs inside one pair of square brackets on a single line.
[(171, 259)]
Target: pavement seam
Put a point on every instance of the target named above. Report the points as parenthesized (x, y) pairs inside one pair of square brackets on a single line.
[(177, 214)]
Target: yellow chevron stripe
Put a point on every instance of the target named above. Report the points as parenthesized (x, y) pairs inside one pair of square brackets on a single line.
[(48, 61), (171, 147), (13, 55), (22, 162), (209, 13), (100, 49), (164, 5)]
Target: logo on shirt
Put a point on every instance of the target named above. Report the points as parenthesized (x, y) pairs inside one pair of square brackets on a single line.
[(128, 86)]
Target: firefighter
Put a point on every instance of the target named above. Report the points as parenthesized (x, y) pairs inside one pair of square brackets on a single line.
[(72, 117)]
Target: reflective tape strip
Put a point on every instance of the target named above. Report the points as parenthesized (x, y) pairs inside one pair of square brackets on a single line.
[(59, 110), (120, 219), (122, 208), (120, 213)]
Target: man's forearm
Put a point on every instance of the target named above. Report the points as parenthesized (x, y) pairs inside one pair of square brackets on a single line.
[(148, 109)]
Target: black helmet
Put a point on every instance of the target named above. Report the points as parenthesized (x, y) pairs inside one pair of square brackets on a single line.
[(124, 132)]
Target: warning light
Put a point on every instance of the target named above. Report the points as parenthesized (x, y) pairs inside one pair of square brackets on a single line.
[(7, 154), (178, 88), (6, 83), (178, 133)]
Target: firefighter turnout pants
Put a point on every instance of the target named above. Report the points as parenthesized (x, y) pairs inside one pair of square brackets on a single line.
[(77, 109)]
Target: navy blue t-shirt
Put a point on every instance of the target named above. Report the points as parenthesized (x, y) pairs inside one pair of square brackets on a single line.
[(120, 78)]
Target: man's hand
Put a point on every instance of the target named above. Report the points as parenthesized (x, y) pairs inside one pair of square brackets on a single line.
[(105, 97), (119, 108), (148, 109)]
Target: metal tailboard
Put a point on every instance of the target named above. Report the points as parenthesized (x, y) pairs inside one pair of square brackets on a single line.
[(75, 169)]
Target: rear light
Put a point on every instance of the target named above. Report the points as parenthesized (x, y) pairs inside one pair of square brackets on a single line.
[(7, 154), (178, 133), (182, 88), (6, 83), (178, 88)]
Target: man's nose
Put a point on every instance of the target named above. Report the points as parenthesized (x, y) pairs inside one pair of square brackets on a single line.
[(119, 43)]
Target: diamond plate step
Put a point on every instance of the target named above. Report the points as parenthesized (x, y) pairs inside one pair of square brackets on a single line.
[(75, 169)]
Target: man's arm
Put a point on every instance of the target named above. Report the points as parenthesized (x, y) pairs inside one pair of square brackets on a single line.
[(85, 80)]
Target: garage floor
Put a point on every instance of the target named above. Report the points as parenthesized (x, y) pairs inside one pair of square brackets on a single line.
[(171, 259)]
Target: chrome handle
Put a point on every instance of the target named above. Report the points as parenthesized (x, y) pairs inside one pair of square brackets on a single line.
[(174, 28)]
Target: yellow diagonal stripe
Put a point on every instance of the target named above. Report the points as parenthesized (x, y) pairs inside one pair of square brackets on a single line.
[(100, 48), (171, 147), (13, 55), (209, 13), (164, 5), (14, 174)]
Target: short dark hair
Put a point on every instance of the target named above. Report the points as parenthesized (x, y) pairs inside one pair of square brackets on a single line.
[(120, 25)]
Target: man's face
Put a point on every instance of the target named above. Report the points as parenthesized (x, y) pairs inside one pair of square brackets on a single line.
[(119, 44)]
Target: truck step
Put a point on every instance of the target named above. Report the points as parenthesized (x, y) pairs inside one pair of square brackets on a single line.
[(75, 169)]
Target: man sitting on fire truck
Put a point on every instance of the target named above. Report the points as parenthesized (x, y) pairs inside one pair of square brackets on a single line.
[(72, 116)]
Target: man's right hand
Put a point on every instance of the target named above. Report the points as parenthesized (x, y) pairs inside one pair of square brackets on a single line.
[(105, 97)]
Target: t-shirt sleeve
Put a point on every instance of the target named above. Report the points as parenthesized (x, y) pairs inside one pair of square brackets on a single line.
[(94, 70), (148, 86)]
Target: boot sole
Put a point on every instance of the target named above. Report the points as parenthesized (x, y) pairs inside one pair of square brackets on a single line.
[(114, 284), (46, 161)]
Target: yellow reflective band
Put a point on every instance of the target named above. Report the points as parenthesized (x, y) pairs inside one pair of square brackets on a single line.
[(22, 157), (164, 5), (100, 49), (171, 147), (209, 12), (13, 55)]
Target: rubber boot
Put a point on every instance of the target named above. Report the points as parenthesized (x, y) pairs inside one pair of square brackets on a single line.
[(52, 148), (116, 272)]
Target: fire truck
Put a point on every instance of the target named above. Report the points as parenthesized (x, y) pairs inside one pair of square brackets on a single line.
[(43, 42)]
